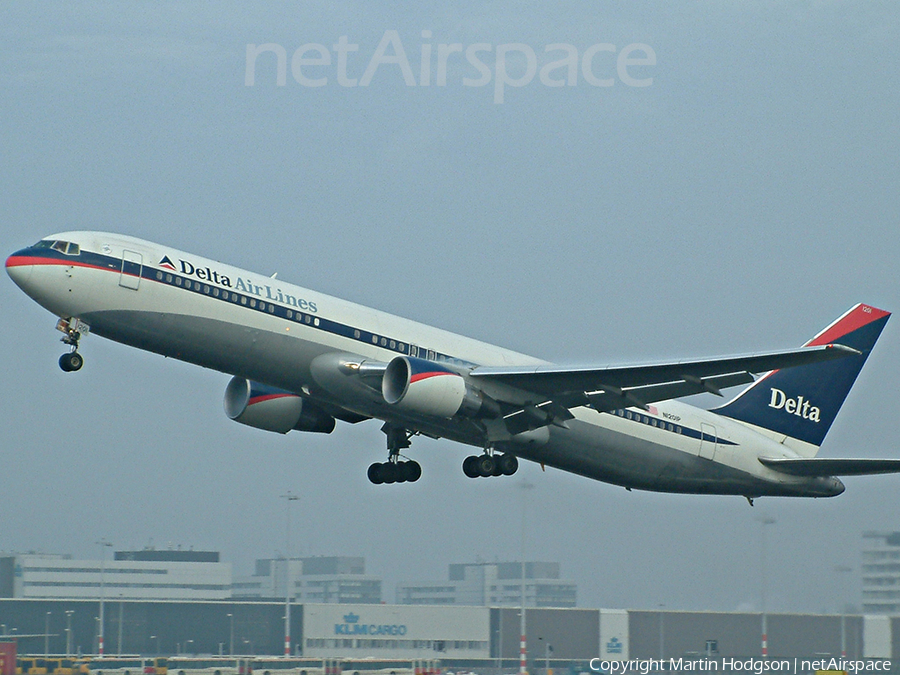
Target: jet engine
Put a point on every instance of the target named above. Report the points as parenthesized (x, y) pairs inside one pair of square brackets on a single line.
[(264, 407), (431, 388)]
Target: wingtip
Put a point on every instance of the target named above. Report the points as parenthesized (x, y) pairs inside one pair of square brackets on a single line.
[(843, 348)]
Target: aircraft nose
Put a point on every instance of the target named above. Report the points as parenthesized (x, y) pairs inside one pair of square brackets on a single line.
[(19, 268)]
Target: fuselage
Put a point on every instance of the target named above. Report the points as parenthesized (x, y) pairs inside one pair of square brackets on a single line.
[(208, 313)]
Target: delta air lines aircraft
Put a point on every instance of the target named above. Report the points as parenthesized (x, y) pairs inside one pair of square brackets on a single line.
[(303, 360)]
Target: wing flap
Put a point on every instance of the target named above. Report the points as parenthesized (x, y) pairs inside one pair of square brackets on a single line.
[(823, 467), (611, 398)]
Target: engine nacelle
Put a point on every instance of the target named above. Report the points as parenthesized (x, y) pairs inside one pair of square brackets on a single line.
[(430, 388), (264, 407)]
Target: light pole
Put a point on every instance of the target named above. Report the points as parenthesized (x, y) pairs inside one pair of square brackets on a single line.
[(548, 648), (230, 634), (47, 635), (156, 637), (186, 643), (104, 545), (289, 497), (764, 520), (662, 633), (69, 613), (121, 610), (843, 569), (526, 487)]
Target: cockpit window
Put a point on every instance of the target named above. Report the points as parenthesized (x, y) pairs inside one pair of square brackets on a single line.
[(65, 247)]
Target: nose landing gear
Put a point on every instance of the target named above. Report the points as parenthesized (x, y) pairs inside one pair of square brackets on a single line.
[(71, 361), (72, 330)]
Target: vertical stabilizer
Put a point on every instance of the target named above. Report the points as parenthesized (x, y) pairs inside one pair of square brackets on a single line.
[(800, 404)]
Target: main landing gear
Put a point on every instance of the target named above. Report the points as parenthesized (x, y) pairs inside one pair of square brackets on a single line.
[(395, 470), (72, 360), (488, 464)]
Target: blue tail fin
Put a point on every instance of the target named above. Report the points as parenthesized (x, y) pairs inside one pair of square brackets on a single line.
[(801, 403)]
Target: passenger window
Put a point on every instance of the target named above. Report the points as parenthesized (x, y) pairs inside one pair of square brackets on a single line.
[(253, 303), (271, 309), (316, 322), (243, 299), (159, 276), (290, 314), (206, 289), (178, 281), (356, 334), (168, 278), (187, 283)]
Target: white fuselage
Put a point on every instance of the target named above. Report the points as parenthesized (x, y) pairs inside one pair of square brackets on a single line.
[(214, 315)]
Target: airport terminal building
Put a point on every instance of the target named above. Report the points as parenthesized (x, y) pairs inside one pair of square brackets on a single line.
[(180, 602), (322, 579), (457, 636), (496, 583), (131, 575)]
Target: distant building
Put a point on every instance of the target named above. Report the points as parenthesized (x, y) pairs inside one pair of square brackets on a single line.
[(131, 575), (321, 579), (493, 584), (880, 572)]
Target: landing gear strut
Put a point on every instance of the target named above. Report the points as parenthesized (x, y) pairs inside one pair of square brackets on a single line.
[(395, 470), (72, 360), (489, 464)]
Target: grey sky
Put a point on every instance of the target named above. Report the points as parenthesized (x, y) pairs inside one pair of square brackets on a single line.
[(742, 201)]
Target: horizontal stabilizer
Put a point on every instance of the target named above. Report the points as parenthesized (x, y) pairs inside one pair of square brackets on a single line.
[(822, 467)]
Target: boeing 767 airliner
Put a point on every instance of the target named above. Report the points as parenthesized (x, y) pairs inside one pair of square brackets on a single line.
[(302, 360)]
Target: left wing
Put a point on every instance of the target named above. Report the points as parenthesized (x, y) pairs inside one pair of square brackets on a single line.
[(823, 467), (557, 389)]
